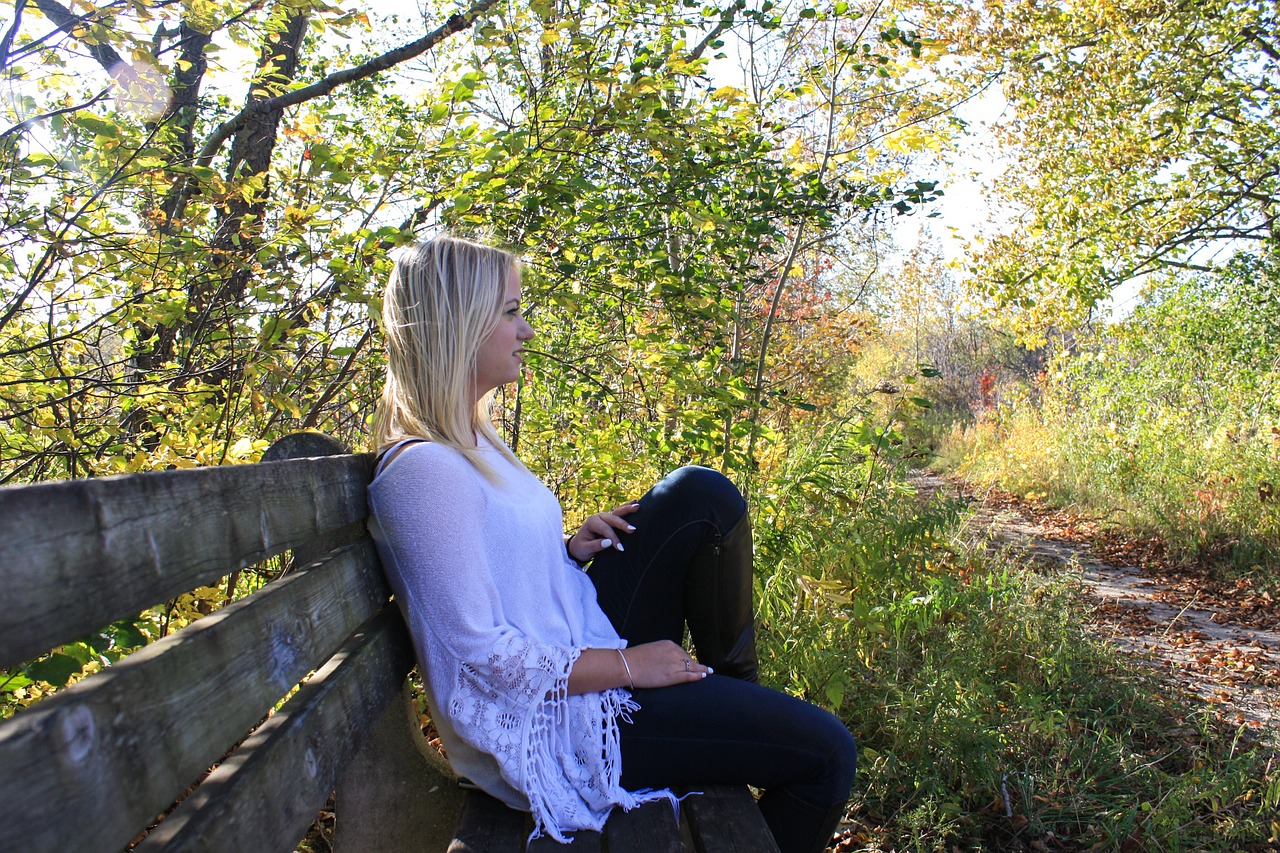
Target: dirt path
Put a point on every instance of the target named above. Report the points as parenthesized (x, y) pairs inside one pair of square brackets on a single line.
[(1198, 646)]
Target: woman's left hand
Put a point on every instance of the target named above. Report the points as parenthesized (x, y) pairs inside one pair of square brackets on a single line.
[(601, 531)]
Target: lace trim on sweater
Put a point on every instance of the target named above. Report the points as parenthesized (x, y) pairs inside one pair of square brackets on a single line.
[(517, 703)]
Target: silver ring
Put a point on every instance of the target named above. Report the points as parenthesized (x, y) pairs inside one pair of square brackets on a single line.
[(688, 663)]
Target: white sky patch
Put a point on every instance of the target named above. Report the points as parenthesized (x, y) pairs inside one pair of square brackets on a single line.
[(965, 178)]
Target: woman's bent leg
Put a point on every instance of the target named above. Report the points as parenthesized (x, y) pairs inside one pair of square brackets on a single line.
[(689, 559), (722, 730)]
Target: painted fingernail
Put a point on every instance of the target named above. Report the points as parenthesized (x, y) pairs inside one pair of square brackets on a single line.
[(704, 675), (631, 528), (605, 543), (710, 670), (619, 547)]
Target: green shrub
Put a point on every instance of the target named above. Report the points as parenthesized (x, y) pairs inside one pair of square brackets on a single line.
[(986, 712)]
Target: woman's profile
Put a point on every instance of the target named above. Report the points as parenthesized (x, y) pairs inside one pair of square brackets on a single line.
[(553, 664)]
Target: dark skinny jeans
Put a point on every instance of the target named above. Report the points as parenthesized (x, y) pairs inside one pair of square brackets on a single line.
[(720, 729)]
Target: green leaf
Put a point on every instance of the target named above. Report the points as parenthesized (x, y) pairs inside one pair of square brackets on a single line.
[(98, 126), (55, 669), (14, 681)]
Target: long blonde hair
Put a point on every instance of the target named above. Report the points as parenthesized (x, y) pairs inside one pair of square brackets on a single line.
[(442, 300)]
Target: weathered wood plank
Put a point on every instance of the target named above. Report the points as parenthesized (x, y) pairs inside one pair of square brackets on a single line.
[(726, 819), (397, 793), (584, 841), (125, 743), (651, 828), (80, 554), (265, 795), (486, 825)]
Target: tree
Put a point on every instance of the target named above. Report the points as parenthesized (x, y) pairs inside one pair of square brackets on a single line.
[(188, 277), (1145, 137), (145, 292)]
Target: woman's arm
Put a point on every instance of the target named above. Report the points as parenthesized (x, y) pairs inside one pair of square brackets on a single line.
[(658, 664)]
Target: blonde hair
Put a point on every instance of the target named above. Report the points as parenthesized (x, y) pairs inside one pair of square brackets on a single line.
[(443, 299)]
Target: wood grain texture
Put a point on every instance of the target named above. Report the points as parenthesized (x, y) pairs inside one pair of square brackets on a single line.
[(267, 793), (486, 825), (583, 841), (397, 793), (125, 743), (651, 828), (80, 554), (726, 819)]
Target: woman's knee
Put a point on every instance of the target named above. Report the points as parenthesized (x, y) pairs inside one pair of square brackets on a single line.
[(704, 489), (828, 737)]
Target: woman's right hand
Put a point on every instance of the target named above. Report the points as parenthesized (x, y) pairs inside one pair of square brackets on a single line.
[(657, 664), (663, 663)]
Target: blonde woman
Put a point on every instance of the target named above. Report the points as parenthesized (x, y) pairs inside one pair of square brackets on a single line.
[(561, 690)]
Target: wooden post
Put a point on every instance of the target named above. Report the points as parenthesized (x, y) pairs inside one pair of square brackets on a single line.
[(397, 794)]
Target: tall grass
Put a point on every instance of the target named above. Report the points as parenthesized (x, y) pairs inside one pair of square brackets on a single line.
[(988, 717), (1167, 423)]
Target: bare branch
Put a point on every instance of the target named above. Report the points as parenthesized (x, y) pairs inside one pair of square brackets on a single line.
[(28, 122), (7, 42)]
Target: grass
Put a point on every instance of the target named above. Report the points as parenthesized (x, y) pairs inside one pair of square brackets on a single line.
[(988, 717), (1208, 495)]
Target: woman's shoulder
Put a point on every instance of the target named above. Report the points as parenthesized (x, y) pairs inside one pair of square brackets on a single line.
[(418, 458)]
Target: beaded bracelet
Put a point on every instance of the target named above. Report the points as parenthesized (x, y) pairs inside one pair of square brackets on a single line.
[(630, 680)]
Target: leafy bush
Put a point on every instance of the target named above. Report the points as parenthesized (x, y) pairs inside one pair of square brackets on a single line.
[(987, 715), (1169, 421)]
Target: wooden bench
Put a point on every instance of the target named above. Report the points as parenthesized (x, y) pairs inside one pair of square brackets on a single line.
[(292, 694)]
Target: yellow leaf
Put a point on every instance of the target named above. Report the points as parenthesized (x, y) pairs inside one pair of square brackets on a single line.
[(549, 37), (241, 448), (908, 139)]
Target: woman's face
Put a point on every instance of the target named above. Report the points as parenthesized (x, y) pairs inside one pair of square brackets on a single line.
[(502, 352)]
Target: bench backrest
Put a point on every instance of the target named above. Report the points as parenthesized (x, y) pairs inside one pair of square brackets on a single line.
[(93, 766)]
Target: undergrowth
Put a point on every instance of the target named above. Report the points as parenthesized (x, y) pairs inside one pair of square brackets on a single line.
[(987, 717), (1207, 499), (1165, 424)]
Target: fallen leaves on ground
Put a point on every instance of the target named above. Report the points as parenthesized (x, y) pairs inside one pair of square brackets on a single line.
[(1238, 601)]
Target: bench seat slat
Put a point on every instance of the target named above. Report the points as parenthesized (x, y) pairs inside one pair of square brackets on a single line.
[(267, 793), (125, 743), (650, 828), (486, 825), (583, 841), (726, 819), (80, 554)]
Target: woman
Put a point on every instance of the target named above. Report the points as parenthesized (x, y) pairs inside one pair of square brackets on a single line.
[(561, 691)]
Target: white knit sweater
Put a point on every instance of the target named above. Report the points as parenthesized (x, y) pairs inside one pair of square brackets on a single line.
[(499, 613)]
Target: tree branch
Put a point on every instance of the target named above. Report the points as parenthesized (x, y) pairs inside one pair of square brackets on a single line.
[(62, 18), (725, 22), (7, 42), (28, 122), (455, 23), (1266, 47)]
